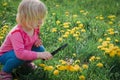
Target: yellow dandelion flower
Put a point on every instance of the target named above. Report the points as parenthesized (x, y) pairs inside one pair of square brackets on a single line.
[(57, 5), (68, 30), (60, 39), (85, 13), (75, 35), (65, 36), (80, 25), (5, 4), (77, 67), (110, 29), (112, 19), (74, 54), (77, 61), (72, 31), (105, 34), (62, 31), (98, 58), (75, 16), (5, 26), (67, 33), (57, 22), (61, 67), (108, 38), (77, 32), (1, 37), (112, 53), (48, 68), (77, 38), (111, 32), (62, 61), (116, 40), (99, 47), (83, 30), (111, 46), (85, 66), (56, 72), (110, 22), (118, 52), (111, 16), (81, 11), (66, 25), (105, 49), (101, 17), (66, 13), (100, 40), (70, 68), (78, 22), (53, 14), (105, 43), (92, 58), (119, 24), (77, 28), (99, 65), (82, 77), (97, 17), (42, 65), (54, 30)]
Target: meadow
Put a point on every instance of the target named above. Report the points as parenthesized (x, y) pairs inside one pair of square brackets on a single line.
[(91, 28)]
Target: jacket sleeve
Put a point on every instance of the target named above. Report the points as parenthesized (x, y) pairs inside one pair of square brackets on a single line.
[(18, 47)]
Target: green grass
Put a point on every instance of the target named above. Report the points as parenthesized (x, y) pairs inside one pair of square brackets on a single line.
[(93, 15)]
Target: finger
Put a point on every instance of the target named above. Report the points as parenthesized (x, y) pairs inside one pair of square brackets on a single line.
[(37, 45)]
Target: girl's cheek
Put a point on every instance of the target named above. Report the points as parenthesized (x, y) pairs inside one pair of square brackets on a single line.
[(40, 22)]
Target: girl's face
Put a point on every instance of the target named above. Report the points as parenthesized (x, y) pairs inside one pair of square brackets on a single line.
[(37, 24), (40, 22)]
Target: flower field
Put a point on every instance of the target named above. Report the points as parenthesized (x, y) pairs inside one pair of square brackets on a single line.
[(91, 28)]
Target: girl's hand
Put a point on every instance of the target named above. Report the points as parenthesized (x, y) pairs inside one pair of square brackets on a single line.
[(38, 42), (44, 55)]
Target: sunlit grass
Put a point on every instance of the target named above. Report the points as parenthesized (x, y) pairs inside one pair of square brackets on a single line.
[(92, 32)]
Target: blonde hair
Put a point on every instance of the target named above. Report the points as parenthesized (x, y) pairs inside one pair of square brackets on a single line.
[(30, 11)]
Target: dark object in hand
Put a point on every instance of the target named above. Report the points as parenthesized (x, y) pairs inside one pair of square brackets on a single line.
[(60, 48)]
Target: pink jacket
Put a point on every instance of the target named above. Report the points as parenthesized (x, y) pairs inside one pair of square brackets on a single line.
[(21, 43)]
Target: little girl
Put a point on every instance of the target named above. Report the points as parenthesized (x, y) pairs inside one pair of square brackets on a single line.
[(22, 44)]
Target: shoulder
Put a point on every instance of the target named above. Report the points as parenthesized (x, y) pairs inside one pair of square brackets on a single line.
[(15, 29), (15, 33)]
